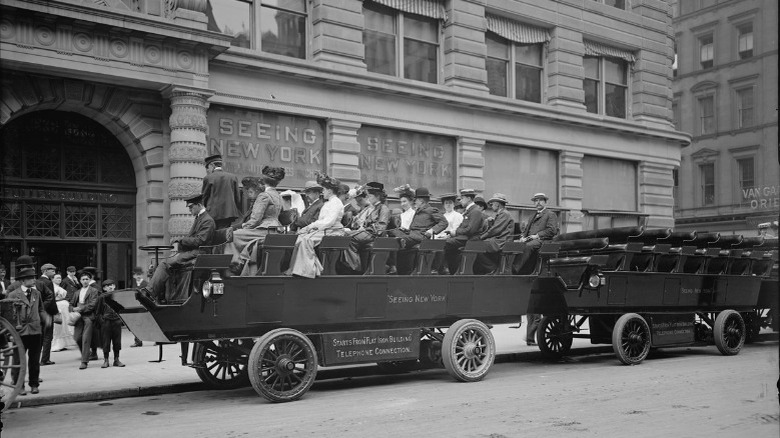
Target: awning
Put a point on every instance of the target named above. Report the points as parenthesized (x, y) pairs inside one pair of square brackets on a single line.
[(597, 49), (515, 31), (426, 8)]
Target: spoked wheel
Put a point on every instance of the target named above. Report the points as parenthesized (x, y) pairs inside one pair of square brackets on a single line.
[(631, 339), (729, 332), (554, 336), (12, 358), (224, 362), (283, 365), (468, 350)]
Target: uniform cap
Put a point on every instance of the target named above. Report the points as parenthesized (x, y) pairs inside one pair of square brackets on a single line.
[(212, 159), (194, 199)]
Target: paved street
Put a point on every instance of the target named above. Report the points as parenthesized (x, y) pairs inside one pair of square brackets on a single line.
[(686, 392)]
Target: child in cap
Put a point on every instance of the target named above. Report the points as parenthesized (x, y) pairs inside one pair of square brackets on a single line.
[(110, 325)]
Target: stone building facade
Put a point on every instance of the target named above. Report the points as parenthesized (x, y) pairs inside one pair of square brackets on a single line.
[(569, 97)]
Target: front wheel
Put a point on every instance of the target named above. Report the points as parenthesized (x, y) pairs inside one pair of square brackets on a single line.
[(554, 336), (729, 332), (223, 364), (468, 350), (13, 359), (631, 339), (283, 365)]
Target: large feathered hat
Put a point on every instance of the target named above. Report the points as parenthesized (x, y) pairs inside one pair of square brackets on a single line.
[(275, 173), (328, 182)]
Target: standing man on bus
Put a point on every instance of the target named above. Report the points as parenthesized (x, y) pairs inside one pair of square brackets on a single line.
[(221, 195)]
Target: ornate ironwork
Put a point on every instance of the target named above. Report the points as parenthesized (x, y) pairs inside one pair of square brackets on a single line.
[(42, 220), (115, 168), (117, 222), (80, 165), (42, 161), (80, 221), (10, 219)]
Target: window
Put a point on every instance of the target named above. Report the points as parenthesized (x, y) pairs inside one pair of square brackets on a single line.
[(282, 24), (707, 183), (745, 107), (706, 48), (602, 175), (676, 115), (417, 57), (676, 187), (536, 171), (620, 4), (745, 41), (526, 82), (606, 86), (707, 115), (747, 177)]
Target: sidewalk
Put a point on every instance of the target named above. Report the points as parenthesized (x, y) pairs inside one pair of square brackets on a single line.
[(63, 382)]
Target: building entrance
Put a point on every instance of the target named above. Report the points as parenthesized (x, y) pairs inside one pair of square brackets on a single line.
[(68, 194)]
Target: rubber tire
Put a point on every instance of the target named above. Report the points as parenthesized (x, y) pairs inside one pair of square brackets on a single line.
[(237, 369), (8, 360), (262, 348), (472, 333), (635, 322), (728, 324), (560, 348)]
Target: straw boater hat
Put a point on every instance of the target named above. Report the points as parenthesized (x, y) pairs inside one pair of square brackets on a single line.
[(539, 196), (312, 186), (468, 192)]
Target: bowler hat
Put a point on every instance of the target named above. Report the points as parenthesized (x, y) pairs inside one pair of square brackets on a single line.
[(195, 198), (211, 159), (422, 192), (48, 266), (108, 282), (24, 261), (26, 273), (539, 196), (312, 185), (499, 197)]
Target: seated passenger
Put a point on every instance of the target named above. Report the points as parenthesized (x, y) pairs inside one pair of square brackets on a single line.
[(454, 218), (406, 199), (484, 208), (313, 193), (369, 225), (265, 216), (469, 229), (543, 226), (250, 186), (304, 261), (292, 206), (188, 247), (498, 232), (427, 222)]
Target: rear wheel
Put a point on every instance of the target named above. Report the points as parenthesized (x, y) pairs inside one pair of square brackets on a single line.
[(283, 365), (554, 336), (729, 332), (468, 350), (223, 364), (631, 339), (12, 358)]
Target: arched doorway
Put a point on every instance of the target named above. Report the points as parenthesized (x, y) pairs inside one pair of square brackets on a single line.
[(68, 194)]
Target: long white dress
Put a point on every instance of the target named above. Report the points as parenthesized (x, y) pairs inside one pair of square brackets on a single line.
[(63, 333), (454, 219), (304, 261)]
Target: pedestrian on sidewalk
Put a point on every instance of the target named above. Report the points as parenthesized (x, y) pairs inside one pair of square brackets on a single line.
[(96, 342), (47, 317), (139, 281), (63, 331), (110, 324), (31, 330), (84, 302)]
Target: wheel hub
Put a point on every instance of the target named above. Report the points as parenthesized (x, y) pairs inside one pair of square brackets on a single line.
[(285, 365), (472, 350)]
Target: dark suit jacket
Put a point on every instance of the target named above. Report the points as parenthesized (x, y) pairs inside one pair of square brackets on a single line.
[(309, 215), (90, 302), (221, 195), (472, 223), (200, 234), (378, 220), (428, 218), (48, 300), (544, 224), (501, 227), (31, 322)]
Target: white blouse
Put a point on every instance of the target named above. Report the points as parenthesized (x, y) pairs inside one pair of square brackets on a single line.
[(330, 216), (407, 217)]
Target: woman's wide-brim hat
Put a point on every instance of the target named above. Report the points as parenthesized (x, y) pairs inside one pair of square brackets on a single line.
[(449, 197), (329, 183)]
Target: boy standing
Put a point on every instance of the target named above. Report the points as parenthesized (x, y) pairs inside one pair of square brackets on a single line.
[(110, 324)]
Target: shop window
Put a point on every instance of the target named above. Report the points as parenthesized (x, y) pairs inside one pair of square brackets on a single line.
[(396, 42), (536, 171), (526, 82), (707, 115), (745, 107), (706, 51), (747, 175), (606, 86), (620, 4), (745, 41), (609, 184), (707, 172), (281, 24)]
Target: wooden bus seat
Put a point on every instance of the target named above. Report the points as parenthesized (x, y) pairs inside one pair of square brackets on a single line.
[(468, 255), (330, 250), (276, 248), (426, 252), (380, 250)]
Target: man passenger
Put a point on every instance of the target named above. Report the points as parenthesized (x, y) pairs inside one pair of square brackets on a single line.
[(427, 222), (221, 195), (469, 229), (313, 193), (498, 232), (541, 227)]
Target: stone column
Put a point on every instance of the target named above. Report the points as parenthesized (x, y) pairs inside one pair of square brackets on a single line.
[(186, 152), (565, 70), (471, 163), (337, 35), (343, 150), (464, 46), (656, 187), (571, 189)]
